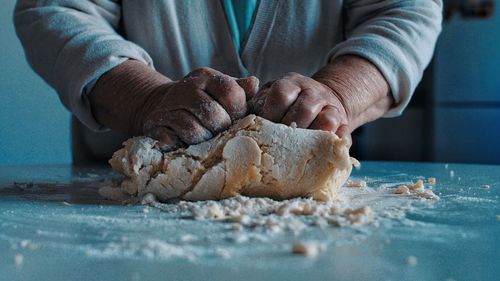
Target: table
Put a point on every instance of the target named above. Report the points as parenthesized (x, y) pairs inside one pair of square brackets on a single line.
[(55, 226)]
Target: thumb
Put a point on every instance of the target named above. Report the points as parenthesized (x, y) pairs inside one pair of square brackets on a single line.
[(250, 85)]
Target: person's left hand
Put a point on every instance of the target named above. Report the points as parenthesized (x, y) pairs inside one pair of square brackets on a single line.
[(303, 100)]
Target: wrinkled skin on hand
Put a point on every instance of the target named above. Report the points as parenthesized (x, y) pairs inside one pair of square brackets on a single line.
[(303, 100), (194, 109), (346, 93)]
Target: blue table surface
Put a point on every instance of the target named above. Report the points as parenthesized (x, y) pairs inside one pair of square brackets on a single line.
[(54, 226)]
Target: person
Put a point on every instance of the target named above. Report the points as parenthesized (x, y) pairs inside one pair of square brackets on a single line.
[(175, 69)]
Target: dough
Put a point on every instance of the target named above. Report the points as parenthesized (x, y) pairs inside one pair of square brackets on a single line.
[(255, 157)]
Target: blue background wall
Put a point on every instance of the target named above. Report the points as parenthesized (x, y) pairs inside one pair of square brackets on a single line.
[(467, 88), (34, 126)]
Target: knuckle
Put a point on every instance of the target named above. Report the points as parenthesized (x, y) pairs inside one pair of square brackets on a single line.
[(331, 122), (215, 116), (309, 95), (280, 95), (306, 111), (232, 89), (190, 84), (293, 75), (280, 84), (200, 71)]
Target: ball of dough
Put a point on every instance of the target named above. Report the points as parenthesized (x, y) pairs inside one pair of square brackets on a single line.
[(255, 157)]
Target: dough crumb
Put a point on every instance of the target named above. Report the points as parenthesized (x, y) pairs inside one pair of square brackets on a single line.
[(26, 244), (309, 249), (431, 180), (452, 174), (402, 189), (212, 211), (18, 260), (411, 260), (356, 184), (427, 194), (355, 163), (361, 215), (419, 184), (417, 189)]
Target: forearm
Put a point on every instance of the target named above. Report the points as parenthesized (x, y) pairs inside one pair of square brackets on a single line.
[(72, 43), (362, 89), (121, 92), (398, 37)]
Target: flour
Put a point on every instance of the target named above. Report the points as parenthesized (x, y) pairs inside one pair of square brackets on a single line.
[(149, 249), (292, 215), (237, 227), (18, 260)]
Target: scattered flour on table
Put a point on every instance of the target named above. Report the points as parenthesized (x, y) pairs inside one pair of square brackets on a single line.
[(358, 205), (149, 248), (273, 216)]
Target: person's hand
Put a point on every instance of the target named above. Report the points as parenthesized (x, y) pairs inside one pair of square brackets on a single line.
[(194, 109), (303, 100), (345, 94)]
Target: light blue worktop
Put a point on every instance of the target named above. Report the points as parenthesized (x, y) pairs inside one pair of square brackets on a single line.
[(64, 231)]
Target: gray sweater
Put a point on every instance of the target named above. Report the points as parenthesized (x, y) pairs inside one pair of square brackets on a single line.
[(71, 43)]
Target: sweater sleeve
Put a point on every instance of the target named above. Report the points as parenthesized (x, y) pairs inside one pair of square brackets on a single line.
[(396, 36), (71, 43)]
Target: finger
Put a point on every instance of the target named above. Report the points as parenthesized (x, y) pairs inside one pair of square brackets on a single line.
[(187, 128), (167, 140), (203, 71), (304, 110), (281, 95), (228, 94), (208, 111), (256, 104), (250, 85), (327, 120)]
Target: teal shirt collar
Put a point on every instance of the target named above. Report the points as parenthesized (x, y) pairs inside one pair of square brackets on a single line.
[(239, 14)]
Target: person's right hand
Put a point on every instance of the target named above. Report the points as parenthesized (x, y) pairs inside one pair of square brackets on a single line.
[(194, 109)]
